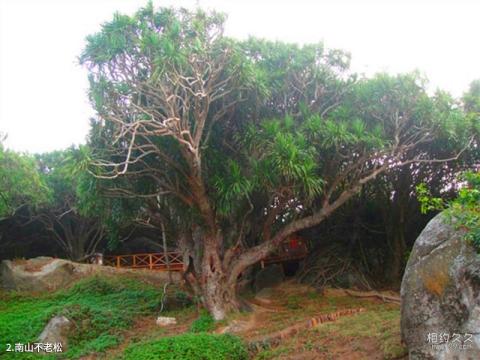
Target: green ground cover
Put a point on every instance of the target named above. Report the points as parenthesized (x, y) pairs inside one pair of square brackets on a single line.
[(100, 308)]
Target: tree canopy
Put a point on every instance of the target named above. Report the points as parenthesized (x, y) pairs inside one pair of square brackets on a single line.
[(20, 183)]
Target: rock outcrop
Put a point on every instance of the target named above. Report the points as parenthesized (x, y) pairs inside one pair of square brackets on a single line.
[(440, 311), (48, 274), (39, 274)]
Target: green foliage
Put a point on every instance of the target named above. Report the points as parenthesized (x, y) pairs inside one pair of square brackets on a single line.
[(57, 170), (464, 210), (164, 38), (20, 183), (204, 323), (100, 307), (65, 173), (282, 157), (427, 202), (232, 186), (276, 65), (189, 347), (471, 98)]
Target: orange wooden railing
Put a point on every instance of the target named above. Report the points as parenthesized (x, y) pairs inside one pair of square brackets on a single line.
[(151, 261)]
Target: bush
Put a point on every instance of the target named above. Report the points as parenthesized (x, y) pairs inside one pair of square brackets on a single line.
[(189, 347), (204, 323)]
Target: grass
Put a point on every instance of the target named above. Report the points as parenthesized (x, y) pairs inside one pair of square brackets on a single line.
[(100, 308), (201, 346), (204, 323), (381, 324)]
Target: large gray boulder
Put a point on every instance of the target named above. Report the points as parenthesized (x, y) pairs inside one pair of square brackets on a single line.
[(440, 311), (39, 274)]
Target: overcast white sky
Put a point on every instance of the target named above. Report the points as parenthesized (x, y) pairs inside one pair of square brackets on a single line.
[(43, 102)]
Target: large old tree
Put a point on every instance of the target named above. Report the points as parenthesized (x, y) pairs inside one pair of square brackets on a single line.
[(238, 145)]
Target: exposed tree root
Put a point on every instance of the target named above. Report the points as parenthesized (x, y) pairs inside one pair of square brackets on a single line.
[(275, 338)]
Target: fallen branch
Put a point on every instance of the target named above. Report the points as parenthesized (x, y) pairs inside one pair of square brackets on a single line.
[(375, 294)]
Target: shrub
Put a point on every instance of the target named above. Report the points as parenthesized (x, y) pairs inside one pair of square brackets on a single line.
[(189, 347), (204, 323)]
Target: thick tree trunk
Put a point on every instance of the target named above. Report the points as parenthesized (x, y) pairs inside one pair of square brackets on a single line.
[(219, 296), (205, 274)]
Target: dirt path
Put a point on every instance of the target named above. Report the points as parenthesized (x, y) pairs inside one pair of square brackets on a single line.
[(372, 333)]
